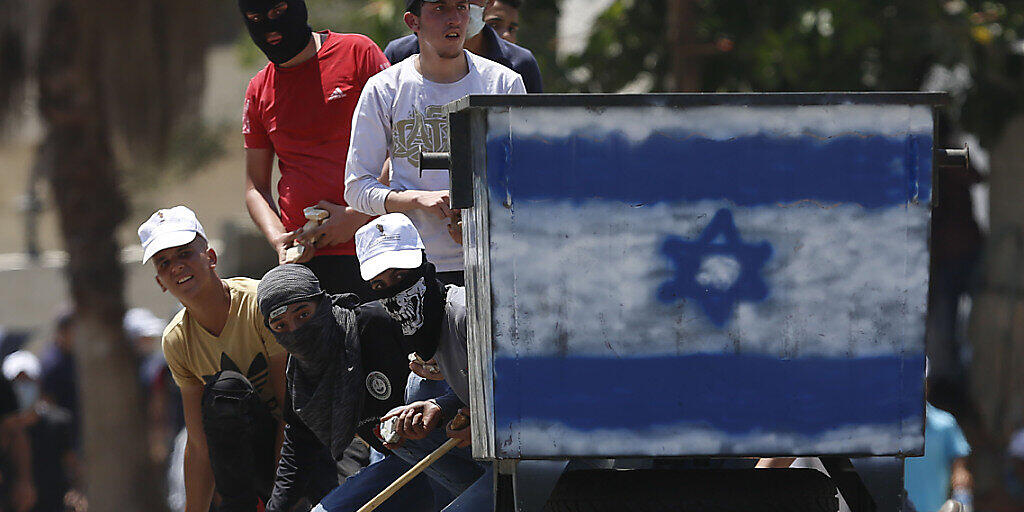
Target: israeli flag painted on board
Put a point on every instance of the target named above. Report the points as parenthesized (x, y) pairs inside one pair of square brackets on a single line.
[(708, 280)]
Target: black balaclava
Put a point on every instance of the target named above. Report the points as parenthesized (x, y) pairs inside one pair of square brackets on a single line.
[(325, 375), (417, 303), (292, 25)]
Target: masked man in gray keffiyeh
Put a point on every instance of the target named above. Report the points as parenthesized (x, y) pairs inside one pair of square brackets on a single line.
[(348, 367)]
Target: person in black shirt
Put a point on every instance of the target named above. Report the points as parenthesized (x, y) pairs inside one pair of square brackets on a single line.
[(50, 431), (486, 44), (59, 369)]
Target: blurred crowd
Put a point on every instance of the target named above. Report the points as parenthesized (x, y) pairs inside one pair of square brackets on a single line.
[(40, 466)]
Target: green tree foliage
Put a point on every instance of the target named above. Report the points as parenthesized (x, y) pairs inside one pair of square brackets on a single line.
[(803, 45), (381, 20)]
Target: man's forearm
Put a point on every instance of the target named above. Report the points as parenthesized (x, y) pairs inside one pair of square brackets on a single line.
[(365, 193), (401, 201), (960, 475), (296, 461), (264, 214), (198, 481)]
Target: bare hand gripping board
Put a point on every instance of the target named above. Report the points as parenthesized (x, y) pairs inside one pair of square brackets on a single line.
[(672, 275)]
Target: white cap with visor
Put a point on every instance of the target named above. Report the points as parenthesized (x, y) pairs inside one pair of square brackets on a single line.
[(170, 227), (389, 241)]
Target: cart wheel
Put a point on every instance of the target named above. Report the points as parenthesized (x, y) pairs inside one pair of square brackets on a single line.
[(770, 490)]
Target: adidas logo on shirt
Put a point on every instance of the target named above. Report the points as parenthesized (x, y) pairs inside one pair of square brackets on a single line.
[(258, 374), (337, 94)]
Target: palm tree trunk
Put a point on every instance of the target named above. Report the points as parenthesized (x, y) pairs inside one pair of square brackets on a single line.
[(86, 189), (682, 39)]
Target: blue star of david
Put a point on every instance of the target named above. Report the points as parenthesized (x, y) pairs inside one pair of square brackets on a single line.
[(721, 238)]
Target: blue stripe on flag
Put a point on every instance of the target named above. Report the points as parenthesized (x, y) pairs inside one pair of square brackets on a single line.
[(735, 394), (872, 171)]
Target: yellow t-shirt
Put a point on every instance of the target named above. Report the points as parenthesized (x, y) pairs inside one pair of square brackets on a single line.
[(245, 345)]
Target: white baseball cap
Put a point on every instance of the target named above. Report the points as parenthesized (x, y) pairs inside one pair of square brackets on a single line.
[(389, 241), (170, 227), (20, 362)]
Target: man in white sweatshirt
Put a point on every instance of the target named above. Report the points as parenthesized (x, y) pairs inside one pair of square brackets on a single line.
[(400, 114)]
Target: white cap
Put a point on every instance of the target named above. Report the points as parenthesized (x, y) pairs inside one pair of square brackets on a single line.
[(171, 227), (389, 241), (141, 323), (20, 362)]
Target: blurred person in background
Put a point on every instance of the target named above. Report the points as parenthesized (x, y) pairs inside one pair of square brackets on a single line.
[(17, 492), (55, 468), (503, 17), (484, 41), (162, 399), (956, 245), (167, 419), (942, 471), (1014, 479), (175, 480), (59, 369), (144, 330)]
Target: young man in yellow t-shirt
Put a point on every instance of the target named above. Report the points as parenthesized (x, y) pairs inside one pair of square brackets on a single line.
[(230, 369)]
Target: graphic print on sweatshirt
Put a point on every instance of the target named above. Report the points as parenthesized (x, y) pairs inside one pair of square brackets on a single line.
[(258, 374), (420, 132)]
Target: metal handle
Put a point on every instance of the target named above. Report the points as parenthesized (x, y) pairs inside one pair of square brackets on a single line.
[(953, 157), (435, 161)]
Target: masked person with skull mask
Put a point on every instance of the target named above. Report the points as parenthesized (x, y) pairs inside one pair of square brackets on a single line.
[(433, 320), (348, 367), (482, 40), (299, 109)]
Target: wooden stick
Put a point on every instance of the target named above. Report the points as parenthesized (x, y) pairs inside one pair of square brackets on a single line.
[(409, 475)]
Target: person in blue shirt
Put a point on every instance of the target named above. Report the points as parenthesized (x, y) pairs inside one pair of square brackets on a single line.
[(928, 479), (482, 40)]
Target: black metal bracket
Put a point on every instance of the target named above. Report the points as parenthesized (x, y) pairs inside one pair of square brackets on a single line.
[(504, 485), (464, 150)]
